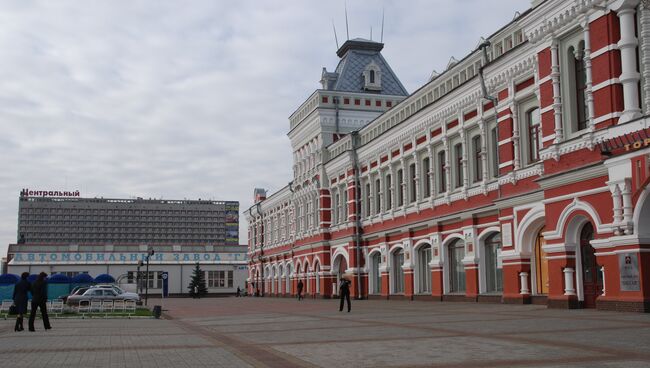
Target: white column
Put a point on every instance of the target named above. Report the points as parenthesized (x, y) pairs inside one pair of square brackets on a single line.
[(644, 38), (393, 197), (568, 281), (484, 151), (523, 280), (515, 135), (629, 78), (557, 101), (431, 175), (416, 162), (372, 194), (403, 185), (618, 209), (626, 193), (589, 97), (445, 142), (465, 166)]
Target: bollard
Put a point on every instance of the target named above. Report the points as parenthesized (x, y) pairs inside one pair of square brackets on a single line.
[(157, 311)]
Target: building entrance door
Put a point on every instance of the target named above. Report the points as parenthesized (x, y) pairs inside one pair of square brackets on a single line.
[(592, 283)]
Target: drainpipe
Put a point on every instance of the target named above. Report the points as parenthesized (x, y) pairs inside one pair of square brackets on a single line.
[(484, 46), (357, 208)]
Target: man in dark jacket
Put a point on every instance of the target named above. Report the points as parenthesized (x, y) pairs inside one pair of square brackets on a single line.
[(21, 290), (39, 300), (344, 294), (300, 285)]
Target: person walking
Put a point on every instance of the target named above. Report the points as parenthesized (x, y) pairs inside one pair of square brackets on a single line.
[(39, 300), (300, 285), (344, 294), (238, 292), (20, 297)]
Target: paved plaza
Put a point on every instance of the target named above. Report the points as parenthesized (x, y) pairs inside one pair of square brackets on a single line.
[(268, 332)]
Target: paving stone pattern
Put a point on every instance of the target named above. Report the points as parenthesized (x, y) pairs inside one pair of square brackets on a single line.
[(269, 332)]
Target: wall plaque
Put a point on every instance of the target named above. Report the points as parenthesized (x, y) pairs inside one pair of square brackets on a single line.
[(628, 266)]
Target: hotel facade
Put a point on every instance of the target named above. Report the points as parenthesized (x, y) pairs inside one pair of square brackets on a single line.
[(61, 233), (518, 175)]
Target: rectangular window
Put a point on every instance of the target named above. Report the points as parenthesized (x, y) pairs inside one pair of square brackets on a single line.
[(413, 183), (377, 196), (458, 152), (426, 167), (442, 177), (368, 200), (478, 164), (217, 279), (344, 218), (494, 150), (533, 124), (389, 191), (400, 183)]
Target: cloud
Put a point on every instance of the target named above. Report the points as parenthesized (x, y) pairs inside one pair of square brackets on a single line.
[(163, 99)]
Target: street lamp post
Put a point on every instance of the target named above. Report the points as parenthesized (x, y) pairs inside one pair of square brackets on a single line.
[(138, 278), (150, 253)]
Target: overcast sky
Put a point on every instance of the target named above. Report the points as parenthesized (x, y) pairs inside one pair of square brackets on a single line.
[(189, 99)]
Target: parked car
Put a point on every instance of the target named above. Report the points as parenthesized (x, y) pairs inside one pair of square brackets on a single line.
[(76, 291), (118, 290), (101, 293)]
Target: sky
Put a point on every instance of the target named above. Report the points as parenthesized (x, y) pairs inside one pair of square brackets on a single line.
[(190, 99)]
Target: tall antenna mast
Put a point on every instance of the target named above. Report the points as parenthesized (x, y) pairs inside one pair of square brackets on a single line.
[(347, 30), (335, 37), (370, 33), (382, 25)]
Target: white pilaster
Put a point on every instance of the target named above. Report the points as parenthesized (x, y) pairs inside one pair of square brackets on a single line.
[(629, 78)]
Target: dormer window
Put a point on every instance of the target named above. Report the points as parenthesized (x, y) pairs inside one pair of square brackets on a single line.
[(372, 77)]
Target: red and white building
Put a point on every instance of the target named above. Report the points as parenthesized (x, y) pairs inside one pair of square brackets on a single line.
[(533, 189)]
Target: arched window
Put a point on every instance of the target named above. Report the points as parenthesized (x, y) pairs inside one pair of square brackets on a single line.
[(493, 268), (372, 76), (375, 274), (398, 272), (456, 253), (534, 134), (424, 270)]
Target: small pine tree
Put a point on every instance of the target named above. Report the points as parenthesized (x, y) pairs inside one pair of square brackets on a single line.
[(198, 279)]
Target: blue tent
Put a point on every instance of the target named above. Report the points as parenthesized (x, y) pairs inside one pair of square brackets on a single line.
[(58, 285), (104, 279), (7, 282), (83, 279), (9, 279), (58, 278)]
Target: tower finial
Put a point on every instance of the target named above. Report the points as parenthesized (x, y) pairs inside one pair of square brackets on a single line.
[(347, 30), (382, 25), (335, 37)]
